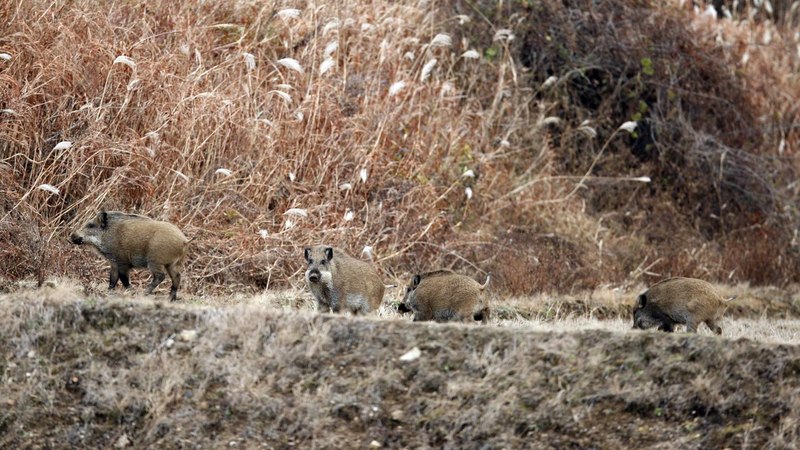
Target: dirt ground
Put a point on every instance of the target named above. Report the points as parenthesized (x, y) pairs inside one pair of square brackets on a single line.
[(269, 372)]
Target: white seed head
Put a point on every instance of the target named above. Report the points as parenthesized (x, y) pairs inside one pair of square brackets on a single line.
[(367, 27), (367, 251), (286, 97), (63, 145), (471, 54), (409, 56), (288, 224), (427, 68), (331, 25), (349, 216), (447, 88), (326, 66), (363, 175), (504, 143), (292, 177), (396, 87), (551, 80), (468, 192), (49, 188), (411, 355), (291, 63), (503, 34), (122, 59), (468, 174), (223, 171), (441, 40), (299, 115), (463, 18), (296, 212), (628, 126), (588, 131), (552, 120), (5, 56), (249, 60), (288, 13), (710, 12), (263, 233), (330, 48), (345, 187)]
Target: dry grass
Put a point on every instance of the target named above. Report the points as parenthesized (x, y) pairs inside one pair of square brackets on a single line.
[(127, 371), (220, 119)]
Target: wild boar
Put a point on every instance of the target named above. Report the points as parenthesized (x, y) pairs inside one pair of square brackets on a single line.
[(686, 301), (443, 296), (133, 241), (340, 282)]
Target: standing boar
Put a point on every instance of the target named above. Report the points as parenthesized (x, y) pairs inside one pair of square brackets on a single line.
[(339, 281), (443, 296), (130, 240), (687, 301)]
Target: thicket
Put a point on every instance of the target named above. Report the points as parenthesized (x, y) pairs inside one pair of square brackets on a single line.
[(482, 136)]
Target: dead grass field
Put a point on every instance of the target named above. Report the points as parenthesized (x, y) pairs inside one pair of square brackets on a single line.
[(267, 371), (575, 150)]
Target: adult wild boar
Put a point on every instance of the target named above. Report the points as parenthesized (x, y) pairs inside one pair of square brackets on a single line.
[(686, 301), (134, 241)]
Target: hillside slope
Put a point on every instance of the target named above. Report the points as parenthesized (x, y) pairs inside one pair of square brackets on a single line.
[(99, 373)]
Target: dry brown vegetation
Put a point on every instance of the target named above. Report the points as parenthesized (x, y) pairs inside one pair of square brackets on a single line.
[(205, 123), (95, 373), (479, 136)]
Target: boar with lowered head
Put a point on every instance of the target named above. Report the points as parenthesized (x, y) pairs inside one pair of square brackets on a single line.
[(340, 282), (686, 301), (130, 241), (443, 296)]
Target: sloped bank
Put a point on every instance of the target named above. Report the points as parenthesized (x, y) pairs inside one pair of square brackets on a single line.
[(78, 373)]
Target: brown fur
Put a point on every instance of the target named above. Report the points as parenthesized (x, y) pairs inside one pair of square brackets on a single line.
[(133, 241), (443, 296), (686, 301), (339, 281)]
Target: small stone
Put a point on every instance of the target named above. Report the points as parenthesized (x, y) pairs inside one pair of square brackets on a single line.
[(375, 444), (123, 441), (398, 415), (187, 335)]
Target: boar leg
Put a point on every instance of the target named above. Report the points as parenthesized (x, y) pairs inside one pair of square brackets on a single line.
[(123, 276), (113, 276), (175, 276), (118, 273), (158, 276), (714, 327), (667, 325)]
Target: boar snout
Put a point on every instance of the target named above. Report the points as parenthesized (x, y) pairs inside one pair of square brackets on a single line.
[(313, 275), (76, 239)]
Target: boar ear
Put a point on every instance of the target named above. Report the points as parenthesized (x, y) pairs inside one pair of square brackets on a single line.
[(642, 301), (416, 280), (307, 254), (103, 219), (329, 253)]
